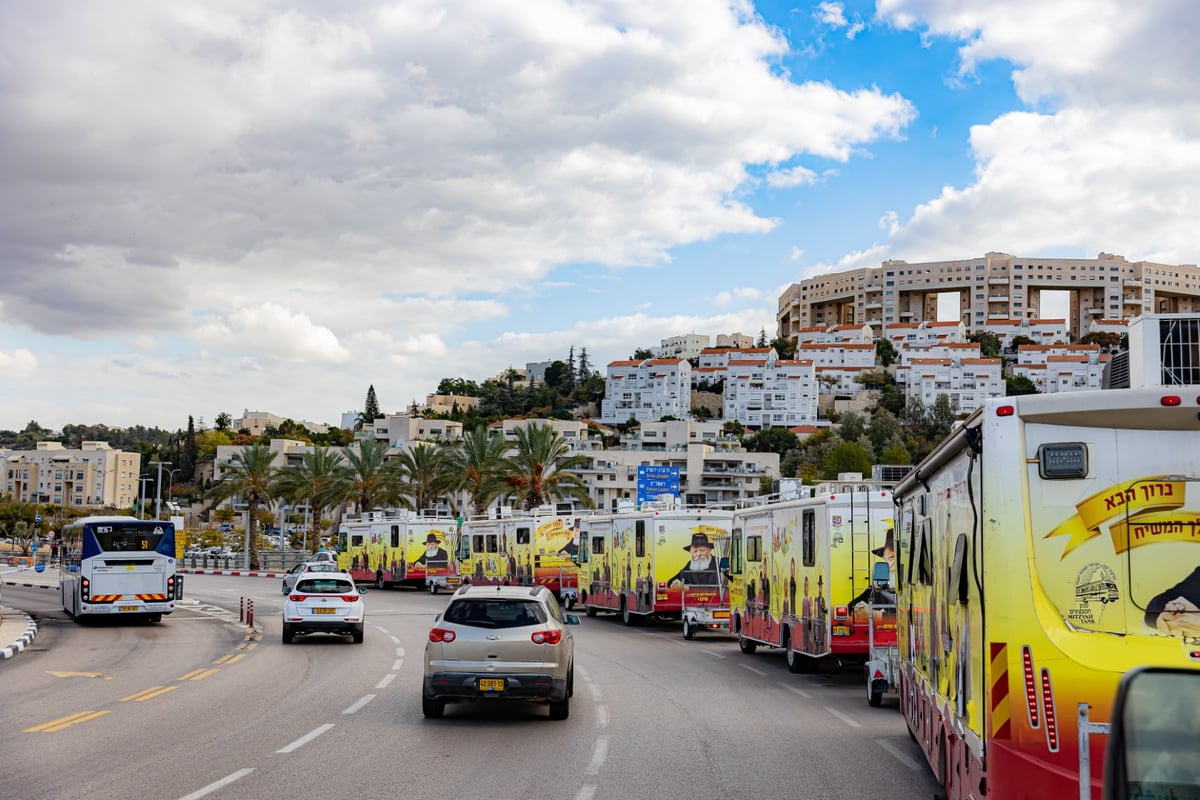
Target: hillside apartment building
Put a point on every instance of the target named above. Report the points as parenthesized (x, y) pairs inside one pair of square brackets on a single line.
[(94, 476)]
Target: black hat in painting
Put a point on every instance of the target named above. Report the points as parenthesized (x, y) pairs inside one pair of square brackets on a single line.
[(888, 544), (699, 540), (432, 538)]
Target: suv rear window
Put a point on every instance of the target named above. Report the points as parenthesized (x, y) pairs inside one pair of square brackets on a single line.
[(324, 586), (495, 613)]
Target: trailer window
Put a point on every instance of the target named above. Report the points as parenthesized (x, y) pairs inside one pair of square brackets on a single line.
[(921, 555), (395, 536), (735, 556), (597, 544), (808, 537), (493, 543), (356, 540), (522, 535), (754, 548), (639, 539), (477, 543)]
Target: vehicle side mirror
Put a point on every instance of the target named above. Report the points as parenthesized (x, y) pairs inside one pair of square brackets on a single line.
[(724, 563), (881, 575), (1154, 737), (362, 590), (572, 619)]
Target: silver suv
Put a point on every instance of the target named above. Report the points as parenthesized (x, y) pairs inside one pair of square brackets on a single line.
[(500, 643)]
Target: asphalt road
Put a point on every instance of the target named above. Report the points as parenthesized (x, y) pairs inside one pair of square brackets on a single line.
[(195, 707)]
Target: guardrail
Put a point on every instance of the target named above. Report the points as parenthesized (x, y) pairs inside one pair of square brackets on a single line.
[(268, 561)]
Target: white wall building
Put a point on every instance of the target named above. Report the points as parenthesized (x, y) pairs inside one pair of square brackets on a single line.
[(647, 390), (94, 476), (967, 382), (1061, 367), (766, 393), (687, 346)]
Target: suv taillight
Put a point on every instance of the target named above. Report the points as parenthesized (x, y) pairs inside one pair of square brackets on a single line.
[(297, 598), (350, 598), (441, 635), (546, 637)]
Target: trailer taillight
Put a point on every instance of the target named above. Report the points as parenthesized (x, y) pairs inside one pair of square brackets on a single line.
[(1031, 700), (1005, 411), (841, 612), (1170, 400), (1048, 704)]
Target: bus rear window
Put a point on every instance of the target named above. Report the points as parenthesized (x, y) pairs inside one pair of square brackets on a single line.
[(116, 538)]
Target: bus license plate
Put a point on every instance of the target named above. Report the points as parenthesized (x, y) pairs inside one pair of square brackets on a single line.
[(491, 684), (129, 608), (324, 610)]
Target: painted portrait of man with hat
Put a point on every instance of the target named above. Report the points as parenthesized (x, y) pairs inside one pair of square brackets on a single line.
[(434, 556), (703, 569), (888, 553)]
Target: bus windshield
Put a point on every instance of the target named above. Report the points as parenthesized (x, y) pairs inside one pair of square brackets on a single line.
[(134, 538)]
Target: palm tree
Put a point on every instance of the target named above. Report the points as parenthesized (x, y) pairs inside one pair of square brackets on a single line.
[(540, 471), (479, 465), (251, 476), (367, 479), (311, 481), (425, 476)]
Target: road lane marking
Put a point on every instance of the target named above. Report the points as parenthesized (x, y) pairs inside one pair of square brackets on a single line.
[(198, 675), (599, 755), (395, 639), (843, 717), (386, 680), (212, 787), (147, 694), (305, 739), (359, 703), (398, 663), (586, 793), (55, 725), (247, 646), (901, 757), (715, 654), (75, 674), (230, 659), (791, 688), (601, 716), (381, 629), (755, 670)]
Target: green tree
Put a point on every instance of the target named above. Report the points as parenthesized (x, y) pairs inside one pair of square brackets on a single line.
[(540, 471), (762, 338), (852, 427), (191, 452), (785, 347), (883, 428), (885, 351), (459, 386), (367, 479), (370, 411), (250, 477), (312, 481), (424, 476), (771, 440), (480, 463), (846, 457), (584, 369), (989, 344), (1018, 385), (223, 421), (641, 354)]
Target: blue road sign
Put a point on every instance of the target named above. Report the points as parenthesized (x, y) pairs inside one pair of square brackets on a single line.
[(37, 518), (35, 547), (39, 566), (656, 480)]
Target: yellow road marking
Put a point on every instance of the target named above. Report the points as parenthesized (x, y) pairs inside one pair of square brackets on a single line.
[(65, 722), (147, 694), (75, 674), (235, 659), (249, 646), (222, 659), (199, 674)]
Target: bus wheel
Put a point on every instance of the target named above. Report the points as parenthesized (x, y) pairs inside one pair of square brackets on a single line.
[(156, 618), (378, 580), (591, 611)]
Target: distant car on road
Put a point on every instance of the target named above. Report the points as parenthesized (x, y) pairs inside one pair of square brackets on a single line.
[(324, 556), (500, 642), (324, 602), (295, 573)]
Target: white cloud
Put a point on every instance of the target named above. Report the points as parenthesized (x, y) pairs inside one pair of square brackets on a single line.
[(832, 14), (727, 298), (18, 364), (795, 176), (273, 332)]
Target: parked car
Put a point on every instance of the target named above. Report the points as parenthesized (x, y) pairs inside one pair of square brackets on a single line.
[(294, 574), (500, 643), (324, 602)]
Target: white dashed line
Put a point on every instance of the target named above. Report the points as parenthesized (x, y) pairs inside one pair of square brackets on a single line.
[(398, 663), (843, 717), (386, 680), (381, 629), (395, 640), (715, 654), (755, 670), (599, 756), (212, 787), (901, 757), (595, 689), (791, 688), (305, 739), (586, 793), (399, 652), (358, 704), (601, 716)]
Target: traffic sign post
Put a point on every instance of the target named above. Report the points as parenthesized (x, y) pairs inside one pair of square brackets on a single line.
[(654, 481)]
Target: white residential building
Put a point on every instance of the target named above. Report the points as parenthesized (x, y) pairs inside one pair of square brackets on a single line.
[(687, 346), (734, 340), (837, 354), (94, 476), (647, 390), (768, 392), (967, 382), (1061, 367), (399, 430)]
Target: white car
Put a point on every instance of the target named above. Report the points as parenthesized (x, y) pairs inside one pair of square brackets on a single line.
[(293, 574), (324, 602)]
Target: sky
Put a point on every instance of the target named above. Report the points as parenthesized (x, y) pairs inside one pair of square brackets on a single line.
[(271, 206)]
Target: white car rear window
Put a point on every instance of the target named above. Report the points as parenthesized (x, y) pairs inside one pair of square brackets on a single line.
[(324, 586)]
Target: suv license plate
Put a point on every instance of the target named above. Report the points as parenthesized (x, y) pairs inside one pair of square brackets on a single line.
[(324, 610), (491, 684)]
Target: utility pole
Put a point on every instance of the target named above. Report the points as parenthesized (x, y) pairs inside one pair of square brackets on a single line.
[(158, 486), (142, 503)]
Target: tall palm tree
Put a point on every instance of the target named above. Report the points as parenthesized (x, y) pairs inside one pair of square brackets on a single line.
[(251, 476), (425, 476), (479, 465), (541, 469), (366, 479), (311, 481)]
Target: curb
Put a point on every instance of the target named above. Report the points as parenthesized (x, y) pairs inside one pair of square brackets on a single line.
[(32, 585), (236, 572), (20, 644)]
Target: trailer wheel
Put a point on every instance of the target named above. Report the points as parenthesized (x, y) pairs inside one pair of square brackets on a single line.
[(378, 580), (748, 646), (874, 698), (796, 662), (689, 630), (591, 611), (433, 588), (627, 615)]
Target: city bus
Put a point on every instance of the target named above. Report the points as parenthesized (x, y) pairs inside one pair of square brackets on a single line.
[(119, 566)]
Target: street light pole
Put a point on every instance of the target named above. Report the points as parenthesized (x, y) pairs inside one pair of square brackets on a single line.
[(158, 487), (142, 503), (171, 485)]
